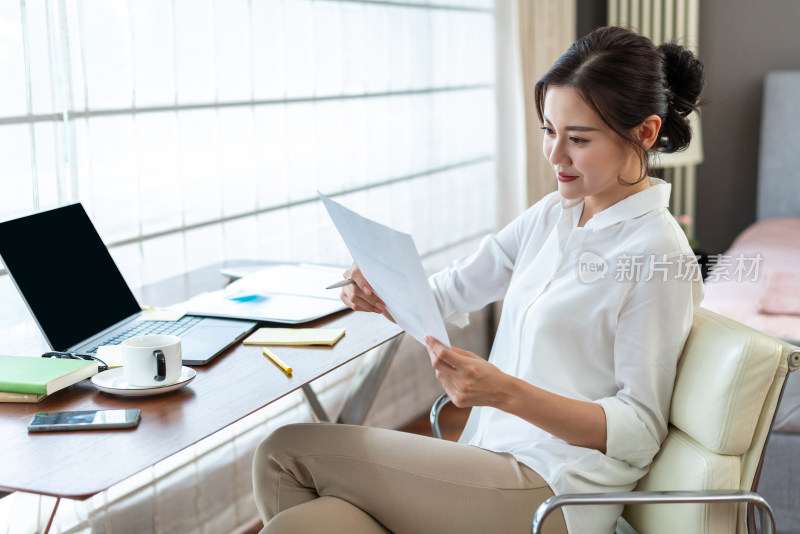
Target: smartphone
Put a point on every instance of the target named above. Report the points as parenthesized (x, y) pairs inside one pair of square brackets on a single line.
[(84, 420)]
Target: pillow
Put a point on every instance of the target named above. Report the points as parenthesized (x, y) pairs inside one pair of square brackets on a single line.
[(782, 294)]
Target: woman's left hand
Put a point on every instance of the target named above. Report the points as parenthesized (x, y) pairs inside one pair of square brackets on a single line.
[(468, 379)]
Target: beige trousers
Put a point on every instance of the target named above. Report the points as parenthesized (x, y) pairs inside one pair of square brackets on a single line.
[(350, 479)]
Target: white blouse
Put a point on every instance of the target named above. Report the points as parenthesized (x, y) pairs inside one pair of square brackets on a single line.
[(598, 313)]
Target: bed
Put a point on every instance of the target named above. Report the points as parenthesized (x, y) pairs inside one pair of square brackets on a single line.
[(757, 281)]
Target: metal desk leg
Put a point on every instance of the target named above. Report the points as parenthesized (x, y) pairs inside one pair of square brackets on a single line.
[(362, 389), (364, 386), (52, 515), (317, 411)]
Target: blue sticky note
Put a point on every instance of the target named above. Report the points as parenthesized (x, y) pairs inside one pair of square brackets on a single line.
[(244, 296)]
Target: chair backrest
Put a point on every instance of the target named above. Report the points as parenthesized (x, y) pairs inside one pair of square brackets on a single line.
[(730, 378)]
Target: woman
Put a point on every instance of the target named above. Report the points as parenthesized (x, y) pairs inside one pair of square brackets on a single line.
[(599, 287)]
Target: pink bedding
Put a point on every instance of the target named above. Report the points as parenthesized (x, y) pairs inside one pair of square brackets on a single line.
[(773, 287)]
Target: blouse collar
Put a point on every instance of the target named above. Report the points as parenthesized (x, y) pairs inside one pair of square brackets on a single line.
[(654, 197)]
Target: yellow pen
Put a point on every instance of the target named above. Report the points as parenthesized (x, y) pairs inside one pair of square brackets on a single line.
[(286, 369)]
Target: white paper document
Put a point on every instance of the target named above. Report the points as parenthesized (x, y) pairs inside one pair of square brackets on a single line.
[(281, 293), (390, 262)]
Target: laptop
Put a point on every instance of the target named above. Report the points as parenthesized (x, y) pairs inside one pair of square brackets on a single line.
[(78, 296)]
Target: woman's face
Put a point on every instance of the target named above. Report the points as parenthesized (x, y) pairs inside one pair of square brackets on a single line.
[(586, 156)]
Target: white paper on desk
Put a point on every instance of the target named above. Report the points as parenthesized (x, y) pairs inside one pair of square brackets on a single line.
[(390, 262)]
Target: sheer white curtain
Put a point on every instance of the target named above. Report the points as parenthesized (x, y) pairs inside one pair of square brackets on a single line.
[(195, 131), (199, 130)]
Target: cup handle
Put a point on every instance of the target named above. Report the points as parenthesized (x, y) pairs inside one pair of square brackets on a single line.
[(161, 366)]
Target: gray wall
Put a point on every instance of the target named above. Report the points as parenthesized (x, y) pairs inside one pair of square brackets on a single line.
[(589, 14), (740, 40)]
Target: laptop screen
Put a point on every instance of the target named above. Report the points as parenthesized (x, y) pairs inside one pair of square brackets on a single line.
[(65, 274)]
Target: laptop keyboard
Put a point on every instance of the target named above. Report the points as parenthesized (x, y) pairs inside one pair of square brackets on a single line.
[(151, 327)]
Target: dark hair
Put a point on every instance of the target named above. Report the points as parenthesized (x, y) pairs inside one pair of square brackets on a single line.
[(625, 78)]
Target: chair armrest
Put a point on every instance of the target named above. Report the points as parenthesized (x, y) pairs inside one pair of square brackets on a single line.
[(657, 497), (438, 404)]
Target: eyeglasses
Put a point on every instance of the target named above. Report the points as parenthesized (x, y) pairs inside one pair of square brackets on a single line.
[(75, 356)]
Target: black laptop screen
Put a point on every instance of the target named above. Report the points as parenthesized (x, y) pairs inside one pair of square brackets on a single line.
[(65, 274)]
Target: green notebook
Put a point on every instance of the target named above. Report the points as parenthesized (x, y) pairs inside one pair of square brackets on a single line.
[(42, 376)]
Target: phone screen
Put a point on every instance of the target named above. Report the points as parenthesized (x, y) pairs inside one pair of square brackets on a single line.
[(84, 420)]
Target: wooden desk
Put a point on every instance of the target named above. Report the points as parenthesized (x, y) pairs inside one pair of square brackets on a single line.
[(77, 465)]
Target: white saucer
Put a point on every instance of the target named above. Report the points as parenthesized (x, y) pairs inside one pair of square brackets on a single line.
[(113, 382)]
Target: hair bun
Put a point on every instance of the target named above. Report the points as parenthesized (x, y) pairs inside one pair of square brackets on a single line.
[(685, 79)]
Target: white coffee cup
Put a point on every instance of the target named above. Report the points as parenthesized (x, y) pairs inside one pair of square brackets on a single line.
[(151, 360)]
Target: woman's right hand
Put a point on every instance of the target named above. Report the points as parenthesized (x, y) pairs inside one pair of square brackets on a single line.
[(359, 296)]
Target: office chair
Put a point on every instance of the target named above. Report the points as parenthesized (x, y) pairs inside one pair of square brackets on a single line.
[(729, 382)]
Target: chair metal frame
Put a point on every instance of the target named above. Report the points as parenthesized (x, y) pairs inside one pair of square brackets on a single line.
[(751, 498), (657, 497)]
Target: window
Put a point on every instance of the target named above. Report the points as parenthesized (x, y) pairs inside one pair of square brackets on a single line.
[(195, 131)]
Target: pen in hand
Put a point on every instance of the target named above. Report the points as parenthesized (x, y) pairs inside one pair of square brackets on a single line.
[(378, 307), (341, 283)]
